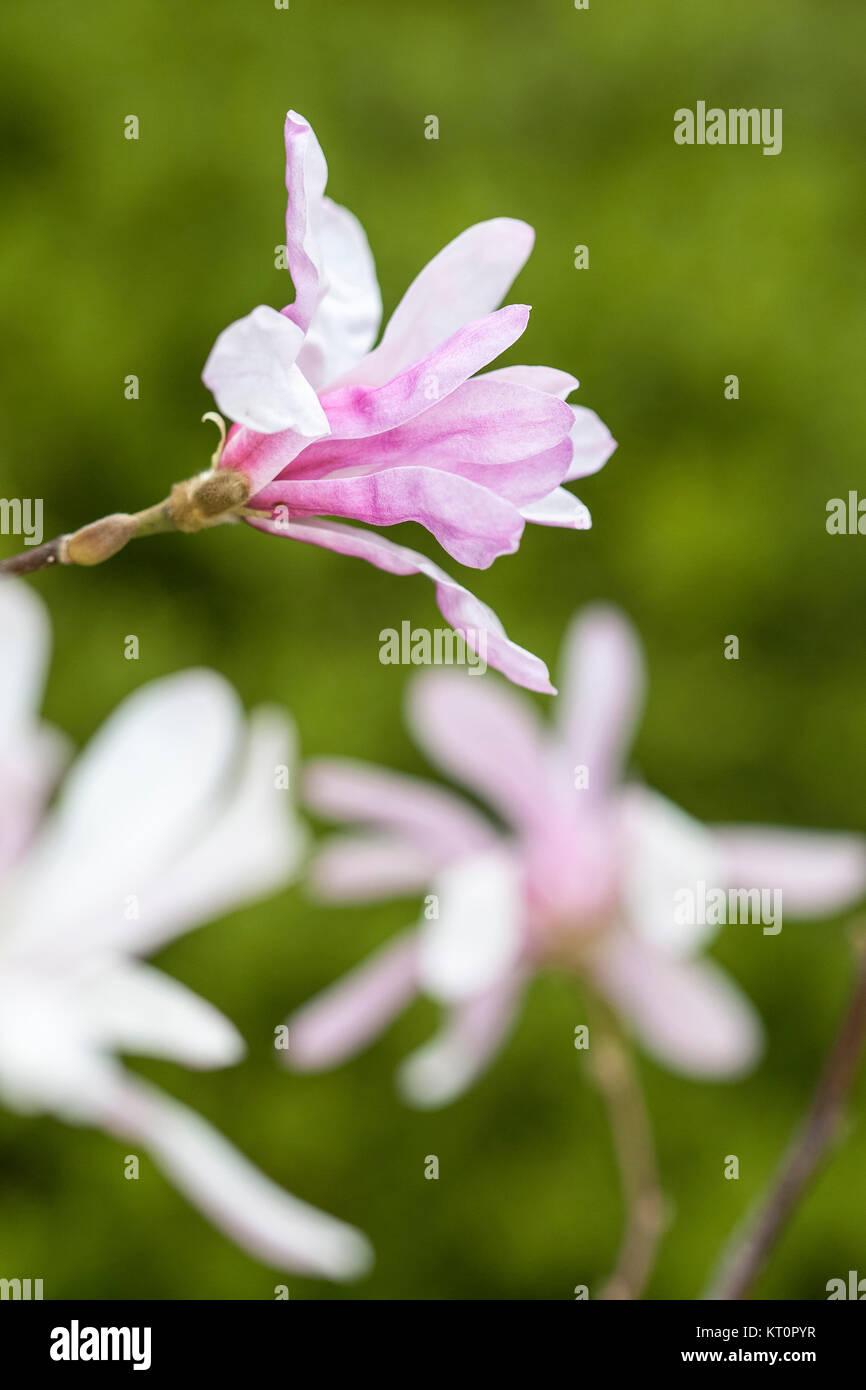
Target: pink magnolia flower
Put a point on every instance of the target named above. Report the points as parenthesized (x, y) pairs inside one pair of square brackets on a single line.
[(585, 873), (327, 425), (169, 817)]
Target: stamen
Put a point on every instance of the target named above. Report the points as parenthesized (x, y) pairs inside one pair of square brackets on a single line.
[(221, 426)]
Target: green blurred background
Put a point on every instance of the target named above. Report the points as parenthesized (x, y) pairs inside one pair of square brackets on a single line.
[(119, 257)]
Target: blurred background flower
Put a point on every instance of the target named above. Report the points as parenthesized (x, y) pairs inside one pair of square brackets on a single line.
[(172, 813), (128, 258)]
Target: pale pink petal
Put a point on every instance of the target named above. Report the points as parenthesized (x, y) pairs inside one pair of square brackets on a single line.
[(355, 412), (346, 1016), (558, 508), (688, 1014), (603, 686), (362, 868), (486, 737), (431, 817), (818, 871), (25, 645), (349, 310), (261, 457), (467, 280), (477, 624), (444, 1068), (593, 443), (475, 937), (471, 523), (306, 177), (254, 379), (548, 379), (256, 1213), (669, 861)]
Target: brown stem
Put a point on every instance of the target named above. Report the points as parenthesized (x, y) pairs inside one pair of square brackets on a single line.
[(747, 1252), (40, 557), (616, 1078)]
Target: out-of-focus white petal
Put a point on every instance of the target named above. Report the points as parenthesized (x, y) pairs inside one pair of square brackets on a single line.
[(444, 1068), (140, 791), (477, 937), (349, 311), (137, 1009), (816, 871), (261, 1217), (669, 862), (602, 694), (255, 380), (25, 643), (342, 1019), (688, 1014)]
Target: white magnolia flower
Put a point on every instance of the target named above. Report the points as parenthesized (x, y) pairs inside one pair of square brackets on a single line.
[(169, 817)]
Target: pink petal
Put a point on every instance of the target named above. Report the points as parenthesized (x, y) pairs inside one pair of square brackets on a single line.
[(818, 871), (429, 816), (261, 456), (603, 686), (306, 177), (688, 1014), (355, 412), (593, 443), (367, 868), (469, 522), (444, 1068), (476, 623), (466, 281), (345, 1017), (489, 739)]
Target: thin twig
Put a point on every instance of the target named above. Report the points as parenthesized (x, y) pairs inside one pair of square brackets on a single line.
[(747, 1252), (615, 1075), (40, 557)]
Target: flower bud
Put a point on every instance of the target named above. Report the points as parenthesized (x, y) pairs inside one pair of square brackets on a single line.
[(98, 541)]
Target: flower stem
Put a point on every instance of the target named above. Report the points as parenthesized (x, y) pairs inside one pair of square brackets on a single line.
[(747, 1252), (616, 1077), (39, 557)]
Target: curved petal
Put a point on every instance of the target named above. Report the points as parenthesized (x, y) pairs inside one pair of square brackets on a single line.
[(487, 738), (364, 868), (349, 311), (347, 1015), (477, 624), (306, 177), (141, 789), (818, 871), (254, 379), (471, 523), (444, 1068), (548, 379), (476, 938), (558, 508), (669, 861), (466, 280), (688, 1014), (137, 1009), (603, 685), (593, 443), (233, 1194)]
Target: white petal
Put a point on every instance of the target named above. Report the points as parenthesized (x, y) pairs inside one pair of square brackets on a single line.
[(558, 508), (476, 938), (349, 312), (25, 646), (667, 856), (137, 1009), (258, 1215), (255, 381)]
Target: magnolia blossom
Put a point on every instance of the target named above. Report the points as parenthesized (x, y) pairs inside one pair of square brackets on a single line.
[(170, 816), (327, 425), (581, 871)]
